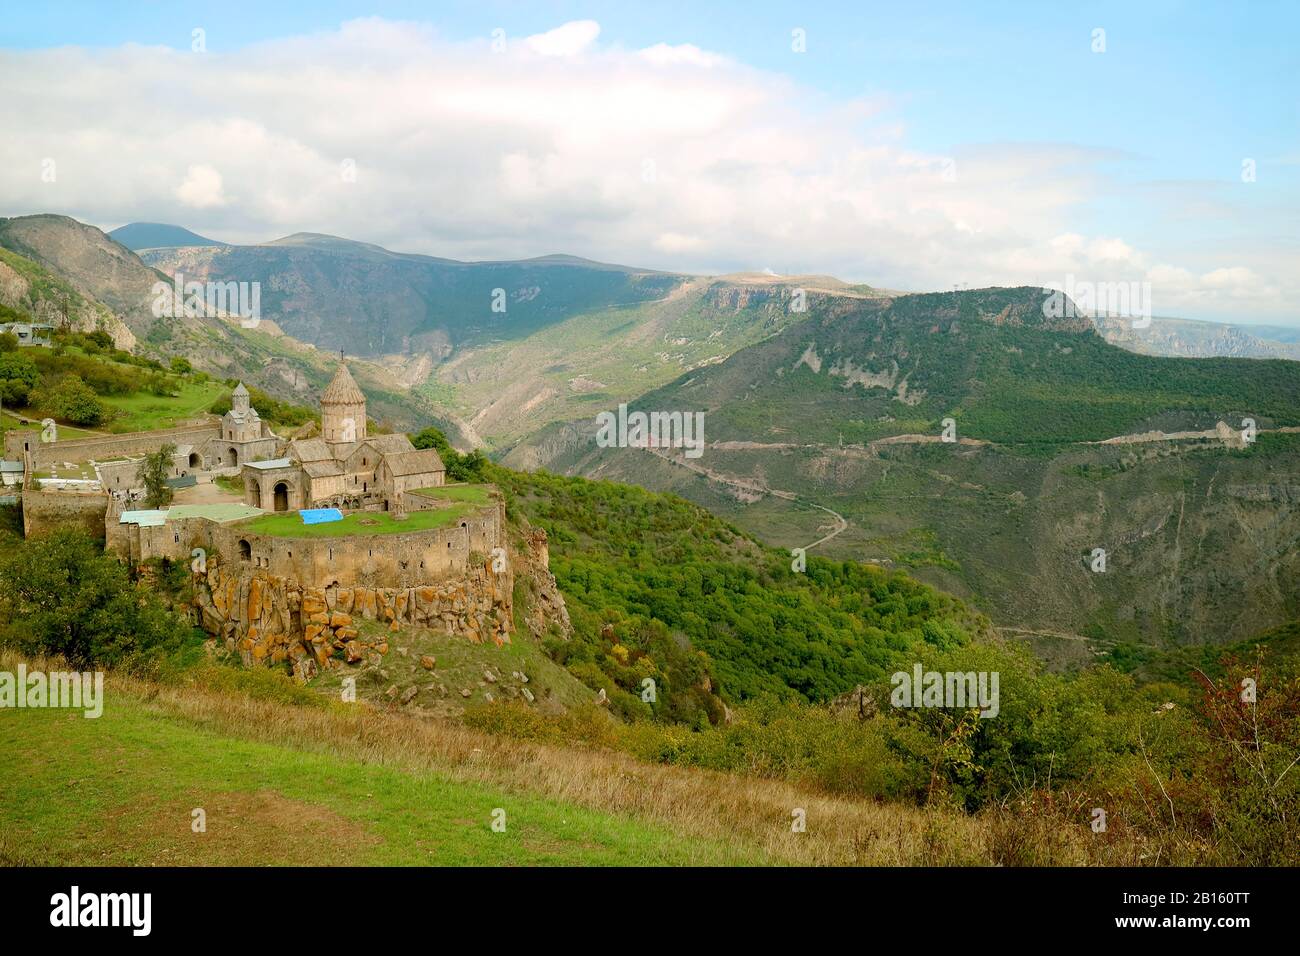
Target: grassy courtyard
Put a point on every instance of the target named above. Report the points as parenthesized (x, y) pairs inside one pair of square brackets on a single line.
[(288, 524)]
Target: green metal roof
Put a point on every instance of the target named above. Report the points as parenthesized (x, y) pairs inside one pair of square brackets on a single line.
[(145, 519), (217, 512)]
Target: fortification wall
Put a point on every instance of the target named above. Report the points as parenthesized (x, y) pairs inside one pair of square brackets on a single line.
[(43, 511), (385, 560), (112, 446)]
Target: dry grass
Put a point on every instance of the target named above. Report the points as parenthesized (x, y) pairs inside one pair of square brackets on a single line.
[(751, 816), (698, 803)]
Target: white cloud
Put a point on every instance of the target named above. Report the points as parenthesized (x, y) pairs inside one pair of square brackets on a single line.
[(201, 188), (663, 54), (676, 242), (567, 40), (671, 157)]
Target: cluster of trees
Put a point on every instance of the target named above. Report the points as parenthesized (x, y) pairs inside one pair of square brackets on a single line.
[(18, 374), (642, 572), (471, 466), (1203, 774), (659, 589), (68, 380)]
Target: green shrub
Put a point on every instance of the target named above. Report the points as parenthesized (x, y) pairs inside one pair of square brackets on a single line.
[(60, 594)]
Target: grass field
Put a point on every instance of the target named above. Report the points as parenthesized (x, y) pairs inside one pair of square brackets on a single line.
[(138, 412), (145, 412), (288, 524), (8, 421), (284, 783), (472, 494), (121, 790)]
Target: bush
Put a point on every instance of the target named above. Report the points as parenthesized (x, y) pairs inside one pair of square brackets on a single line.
[(99, 618), (18, 377), (471, 467)]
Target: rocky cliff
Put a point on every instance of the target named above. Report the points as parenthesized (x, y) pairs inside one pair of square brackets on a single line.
[(273, 620)]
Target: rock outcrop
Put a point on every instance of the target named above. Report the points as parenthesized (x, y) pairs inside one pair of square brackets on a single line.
[(268, 619)]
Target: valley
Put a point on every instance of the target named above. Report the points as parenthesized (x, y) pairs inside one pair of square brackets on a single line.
[(1063, 445)]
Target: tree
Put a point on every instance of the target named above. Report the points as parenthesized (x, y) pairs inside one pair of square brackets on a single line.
[(8, 342), (75, 401), (60, 594), (181, 366), (152, 473), (18, 376), (468, 467)]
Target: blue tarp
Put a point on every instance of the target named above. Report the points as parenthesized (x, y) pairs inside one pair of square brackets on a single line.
[(320, 515)]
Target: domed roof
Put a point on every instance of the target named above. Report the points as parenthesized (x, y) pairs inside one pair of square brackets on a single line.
[(342, 389)]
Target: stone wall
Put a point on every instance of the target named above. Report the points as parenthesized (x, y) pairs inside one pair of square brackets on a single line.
[(18, 441), (43, 511), (121, 475), (384, 560), (114, 446)]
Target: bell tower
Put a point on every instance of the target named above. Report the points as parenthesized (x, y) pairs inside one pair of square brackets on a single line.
[(343, 409)]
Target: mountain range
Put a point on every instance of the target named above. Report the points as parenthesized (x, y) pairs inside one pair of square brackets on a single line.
[(825, 406)]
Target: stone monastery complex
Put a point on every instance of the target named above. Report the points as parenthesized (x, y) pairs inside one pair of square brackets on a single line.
[(409, 550)]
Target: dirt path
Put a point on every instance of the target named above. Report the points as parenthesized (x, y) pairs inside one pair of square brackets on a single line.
[(756, 489)]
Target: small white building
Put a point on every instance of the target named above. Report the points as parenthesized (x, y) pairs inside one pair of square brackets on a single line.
[(28, 333)]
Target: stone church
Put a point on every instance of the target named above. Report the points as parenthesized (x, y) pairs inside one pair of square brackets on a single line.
[(344, 467)]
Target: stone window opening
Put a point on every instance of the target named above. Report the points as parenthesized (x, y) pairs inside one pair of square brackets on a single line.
[(245, 550)]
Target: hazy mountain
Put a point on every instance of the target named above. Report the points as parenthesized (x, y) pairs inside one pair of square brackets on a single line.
[(833, 427), (137, 236), (1188, 338), (598, 358), (356, 296), (572, 333)]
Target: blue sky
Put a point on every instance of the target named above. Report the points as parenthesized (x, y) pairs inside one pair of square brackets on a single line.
[(1156, 128)]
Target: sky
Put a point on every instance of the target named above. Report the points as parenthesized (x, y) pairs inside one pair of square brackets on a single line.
[(914, 146)]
